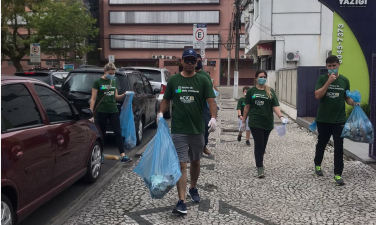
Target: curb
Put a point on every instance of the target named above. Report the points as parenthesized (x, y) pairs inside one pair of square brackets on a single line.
[(304, 123)]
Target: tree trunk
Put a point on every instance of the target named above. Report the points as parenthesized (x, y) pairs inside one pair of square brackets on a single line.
[(17, 64)]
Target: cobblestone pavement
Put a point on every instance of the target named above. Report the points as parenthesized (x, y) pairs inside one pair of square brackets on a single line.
[(289, 194)]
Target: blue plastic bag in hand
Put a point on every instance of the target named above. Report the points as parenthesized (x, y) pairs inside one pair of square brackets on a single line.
[(313, 126), (128, 130), (159, 166), (358, 127)]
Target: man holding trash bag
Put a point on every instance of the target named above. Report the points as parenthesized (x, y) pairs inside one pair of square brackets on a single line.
[(189, 92), (331, 91)]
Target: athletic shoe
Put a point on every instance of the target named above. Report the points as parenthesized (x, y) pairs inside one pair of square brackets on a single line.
[(260, 172), (319, 171), (195, 197), (125, 159), (248, 143), (180, 208), (239, 138), (338, 180), (102, 159)]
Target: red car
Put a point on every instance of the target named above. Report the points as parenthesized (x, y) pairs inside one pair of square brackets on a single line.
[(46, 146)]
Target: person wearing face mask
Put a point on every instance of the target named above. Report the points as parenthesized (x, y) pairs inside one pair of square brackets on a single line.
[(260, 102), (240, 109), (104, 95), (331, 117), (206, 113)]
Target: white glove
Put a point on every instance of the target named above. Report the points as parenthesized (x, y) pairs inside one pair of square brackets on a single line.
[(160, 115), (243, 126), (284, 120), (92, 119), (212, 125)]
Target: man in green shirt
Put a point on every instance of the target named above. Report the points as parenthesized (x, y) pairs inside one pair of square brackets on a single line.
[(331, 91), (188, 92)]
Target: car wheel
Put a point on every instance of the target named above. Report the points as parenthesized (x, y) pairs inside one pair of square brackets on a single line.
[(94, 164), (7, 212), (139, 131)]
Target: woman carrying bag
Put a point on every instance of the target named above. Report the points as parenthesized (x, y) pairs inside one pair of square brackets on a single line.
[(261, 101), (104, 95)]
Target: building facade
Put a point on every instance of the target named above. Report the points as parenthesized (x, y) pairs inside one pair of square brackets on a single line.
[(282, 34), (155, 33)]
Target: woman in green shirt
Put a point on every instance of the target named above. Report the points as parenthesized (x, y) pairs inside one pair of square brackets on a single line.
[(104, 95), (261, 101)]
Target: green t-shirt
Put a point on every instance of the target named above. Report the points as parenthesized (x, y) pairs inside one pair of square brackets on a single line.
[(261, 111), (205, 74), (108, 104), (241, 104), (332, 105), (188, 95)]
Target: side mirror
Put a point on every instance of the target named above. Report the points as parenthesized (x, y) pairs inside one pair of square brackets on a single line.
[(86, 114), (157, 91), (58, 87)]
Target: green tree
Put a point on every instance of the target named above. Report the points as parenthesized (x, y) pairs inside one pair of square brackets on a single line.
[(62, 27), (16, 28)]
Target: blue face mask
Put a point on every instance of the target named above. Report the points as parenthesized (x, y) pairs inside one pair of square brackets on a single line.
[(331, 71), (261, 81), (109, 76)]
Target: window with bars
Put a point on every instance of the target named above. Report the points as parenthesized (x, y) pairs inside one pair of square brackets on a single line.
[(165, 2), (51, 63)]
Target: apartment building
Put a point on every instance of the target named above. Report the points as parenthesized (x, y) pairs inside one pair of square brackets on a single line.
[(155, 33)]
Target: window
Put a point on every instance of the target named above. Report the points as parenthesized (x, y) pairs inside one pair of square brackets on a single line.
[(164, 17), (138, 2), (136, 84), (10, 63), (18, 108), (32, 63), (167, 75), (153, 75), (58, 110), (51, 63), (147, 85), (256, 9)]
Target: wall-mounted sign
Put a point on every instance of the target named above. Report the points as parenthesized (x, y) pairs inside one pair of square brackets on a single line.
[(353, 3), (265, 49)]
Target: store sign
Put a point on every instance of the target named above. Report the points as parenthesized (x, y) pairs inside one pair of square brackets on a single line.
[(265, 49), (340, 37), (353, 3)]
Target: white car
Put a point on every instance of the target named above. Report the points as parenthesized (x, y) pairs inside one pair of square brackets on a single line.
[(158, 79)]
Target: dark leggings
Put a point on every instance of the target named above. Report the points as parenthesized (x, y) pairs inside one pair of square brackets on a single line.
[(260, 137), (102, 119), (326, 130)]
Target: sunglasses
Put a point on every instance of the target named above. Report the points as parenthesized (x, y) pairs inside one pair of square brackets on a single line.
[(192, 61)]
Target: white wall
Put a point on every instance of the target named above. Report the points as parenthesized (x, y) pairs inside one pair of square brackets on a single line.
[(271, 79)]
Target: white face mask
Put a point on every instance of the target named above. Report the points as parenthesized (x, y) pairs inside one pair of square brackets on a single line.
[(245, 93)]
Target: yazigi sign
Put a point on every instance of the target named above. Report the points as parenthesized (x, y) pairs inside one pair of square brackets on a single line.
[(353, 3)]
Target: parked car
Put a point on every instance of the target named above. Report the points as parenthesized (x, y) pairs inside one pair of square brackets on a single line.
[(46, 146), (77, 89), (158, 79), (45, 75)]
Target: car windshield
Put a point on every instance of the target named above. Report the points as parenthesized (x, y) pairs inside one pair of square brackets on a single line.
[(44, 77), (83, 82), (152, 75)]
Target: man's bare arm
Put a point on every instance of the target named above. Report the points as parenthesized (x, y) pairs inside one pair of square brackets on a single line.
[(212, 107)]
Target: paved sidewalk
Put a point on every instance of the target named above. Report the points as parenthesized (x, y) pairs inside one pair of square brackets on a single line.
[(290, 193)]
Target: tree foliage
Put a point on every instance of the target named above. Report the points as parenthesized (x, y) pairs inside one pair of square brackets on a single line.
[(62, 27)]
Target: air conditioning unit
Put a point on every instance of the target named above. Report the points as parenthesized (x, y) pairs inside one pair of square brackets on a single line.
[(154, 57), (173, 57), (251, 8), (161, 57), (328, 53), (169, 57), (292, 56), (243, 56)]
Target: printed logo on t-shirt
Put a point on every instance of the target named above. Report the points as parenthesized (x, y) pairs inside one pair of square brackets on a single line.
[(259, 102), (105, 87), (187, 99), (335, 87), (259, 96), (243, 103), (332, 94), (185, 89)]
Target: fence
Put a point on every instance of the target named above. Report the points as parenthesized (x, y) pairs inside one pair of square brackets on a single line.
[(286, 86)]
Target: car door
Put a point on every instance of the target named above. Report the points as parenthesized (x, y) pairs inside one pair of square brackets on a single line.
[(139, 88), (70, 133), (28, 147), (151, 99)]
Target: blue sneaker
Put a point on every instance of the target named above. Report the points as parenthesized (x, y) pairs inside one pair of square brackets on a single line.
[(125, 159), (180, 208), (195, 197), (102, 159)]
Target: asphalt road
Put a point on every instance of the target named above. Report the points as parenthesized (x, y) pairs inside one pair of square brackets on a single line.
[(51, 211)]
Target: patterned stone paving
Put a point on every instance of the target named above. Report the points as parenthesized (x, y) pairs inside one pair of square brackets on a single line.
[(289, 194)]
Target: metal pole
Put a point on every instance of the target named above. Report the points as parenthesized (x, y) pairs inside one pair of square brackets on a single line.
[(228, 67), (236, 72), (219, 52)]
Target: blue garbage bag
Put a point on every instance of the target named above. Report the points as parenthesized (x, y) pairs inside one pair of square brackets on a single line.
[(159, 166), (128, 130), (313, 126), (358, 127)]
